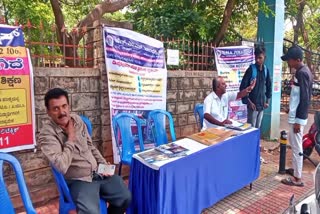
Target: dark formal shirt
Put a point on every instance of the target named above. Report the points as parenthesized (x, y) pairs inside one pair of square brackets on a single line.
[(262, 89), (300, 96)]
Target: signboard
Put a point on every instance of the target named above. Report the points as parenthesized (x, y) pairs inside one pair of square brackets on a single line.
[(16, 92), (137, 75), (172, 57), (277, 79), (232, 63)]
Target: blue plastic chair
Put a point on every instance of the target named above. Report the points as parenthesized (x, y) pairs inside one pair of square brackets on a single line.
[(122, 129), (198, 114), (156, 119), (88, 123), (5, 202), (65, 201)]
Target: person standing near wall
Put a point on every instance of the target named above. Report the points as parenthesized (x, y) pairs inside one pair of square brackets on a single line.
[(259, 97), (300, 98)]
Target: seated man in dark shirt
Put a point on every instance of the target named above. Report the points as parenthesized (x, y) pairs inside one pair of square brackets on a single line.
[(68, 146)]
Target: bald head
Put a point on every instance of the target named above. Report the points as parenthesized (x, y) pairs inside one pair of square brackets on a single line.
[(219, 85)]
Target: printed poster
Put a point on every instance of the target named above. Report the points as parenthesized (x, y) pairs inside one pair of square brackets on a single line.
[(232, 63), (16, 92), (137, 76), (277, 79)]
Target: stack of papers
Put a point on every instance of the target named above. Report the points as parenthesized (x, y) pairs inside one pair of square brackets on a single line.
[(212, 136), (172, 150), (155, 158), (238, 126)]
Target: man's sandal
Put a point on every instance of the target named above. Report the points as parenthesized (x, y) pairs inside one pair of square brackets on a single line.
[(288, 181)]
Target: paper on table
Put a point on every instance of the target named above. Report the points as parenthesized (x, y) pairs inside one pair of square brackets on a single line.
[(236, 123), (212, 136), (238, 126), (191, 145)]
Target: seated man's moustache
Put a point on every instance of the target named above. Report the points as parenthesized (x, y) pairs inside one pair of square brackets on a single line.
[(62, 115)]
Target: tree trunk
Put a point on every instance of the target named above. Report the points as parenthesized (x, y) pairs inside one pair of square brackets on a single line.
[(299, 18), (63, 36), (70, 40), (106, 6), (308, 54), (225, 22), (300, 28)]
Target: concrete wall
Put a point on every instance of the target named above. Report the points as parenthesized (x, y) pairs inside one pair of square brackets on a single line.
[(88, 95)]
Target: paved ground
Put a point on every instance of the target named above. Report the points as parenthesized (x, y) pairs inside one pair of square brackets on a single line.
[(268, 195)]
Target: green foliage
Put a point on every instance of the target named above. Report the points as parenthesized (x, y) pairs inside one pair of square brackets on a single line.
[(38, 13), (311, 19), (23, 11), (176, 18), (74, 11), (193, 20), (264, 8), (116, 16)]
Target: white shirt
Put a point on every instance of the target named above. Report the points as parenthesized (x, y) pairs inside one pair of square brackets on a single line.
[(218, 108), (294, 103)]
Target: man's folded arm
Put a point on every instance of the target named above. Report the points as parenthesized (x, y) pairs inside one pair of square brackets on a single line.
[(59, 157)]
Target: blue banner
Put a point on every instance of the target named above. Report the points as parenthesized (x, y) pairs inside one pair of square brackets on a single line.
[(11, 36), (234, 56), (132, 51)]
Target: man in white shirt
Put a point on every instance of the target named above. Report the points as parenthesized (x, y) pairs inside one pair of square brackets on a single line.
[(216, 104)]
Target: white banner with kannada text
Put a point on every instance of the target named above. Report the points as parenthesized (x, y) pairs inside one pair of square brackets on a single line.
[(137, 76)]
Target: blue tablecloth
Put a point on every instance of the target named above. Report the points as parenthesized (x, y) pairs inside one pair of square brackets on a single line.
[(197, 181)]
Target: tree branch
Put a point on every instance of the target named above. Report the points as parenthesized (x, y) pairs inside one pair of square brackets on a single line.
[(225, 22), (107, 6), (59, 19)]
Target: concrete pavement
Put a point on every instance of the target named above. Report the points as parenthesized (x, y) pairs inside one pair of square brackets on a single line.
[(268, 195)]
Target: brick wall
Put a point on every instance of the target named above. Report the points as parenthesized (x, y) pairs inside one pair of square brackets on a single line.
[(88, 95), (185, 89)]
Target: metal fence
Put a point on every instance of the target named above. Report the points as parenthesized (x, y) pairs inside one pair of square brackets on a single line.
[(193, 55), (287, 75), (47, 51), (75, 47)]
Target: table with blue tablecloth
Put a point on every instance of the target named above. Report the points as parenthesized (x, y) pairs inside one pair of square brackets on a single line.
[(197, 181)]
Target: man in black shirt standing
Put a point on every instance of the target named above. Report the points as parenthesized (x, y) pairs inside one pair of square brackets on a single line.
[(259, 97), (300, 97)]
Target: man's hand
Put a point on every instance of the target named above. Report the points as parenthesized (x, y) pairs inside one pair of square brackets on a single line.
[(252, 85), (226, 121), (266, 105), (70, 131), (252, 105), (105, 171), (296, 128), (106, 175)]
